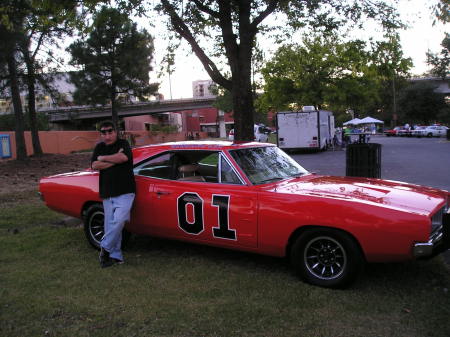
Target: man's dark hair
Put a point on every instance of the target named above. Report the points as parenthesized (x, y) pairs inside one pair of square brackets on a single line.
[(106, 124)]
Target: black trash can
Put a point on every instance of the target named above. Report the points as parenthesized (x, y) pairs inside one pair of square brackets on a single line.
[(363, 160), (448, 134)]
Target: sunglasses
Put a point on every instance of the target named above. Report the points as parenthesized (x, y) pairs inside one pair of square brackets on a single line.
[(106, 131)]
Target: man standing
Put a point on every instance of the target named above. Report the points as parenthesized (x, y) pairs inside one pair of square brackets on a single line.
[(114, 159)]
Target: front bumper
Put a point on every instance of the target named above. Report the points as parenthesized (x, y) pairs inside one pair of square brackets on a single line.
[(438, 243)]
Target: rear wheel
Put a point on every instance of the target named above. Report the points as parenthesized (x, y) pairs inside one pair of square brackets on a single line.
[(327, 258), (94, 227)]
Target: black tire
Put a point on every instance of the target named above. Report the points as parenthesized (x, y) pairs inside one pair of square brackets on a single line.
[(327, 258), (94, 227), (430, 135)]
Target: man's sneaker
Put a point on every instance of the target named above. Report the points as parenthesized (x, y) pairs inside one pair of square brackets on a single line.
[(110, 262), (107, 263)]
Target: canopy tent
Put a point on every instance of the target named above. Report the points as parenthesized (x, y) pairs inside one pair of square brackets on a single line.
[(370, 120), (354, 121)]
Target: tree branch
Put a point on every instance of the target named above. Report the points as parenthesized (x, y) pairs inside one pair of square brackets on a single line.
[(206, 9), (229, 38), (273, 4), (184, 31)]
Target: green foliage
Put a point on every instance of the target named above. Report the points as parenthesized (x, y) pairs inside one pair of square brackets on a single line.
[(8, 122), (156, 128), (224, 100), (442, 10), (419, 103), (114, 60), (328, 73), (441, 63), (322, 72)]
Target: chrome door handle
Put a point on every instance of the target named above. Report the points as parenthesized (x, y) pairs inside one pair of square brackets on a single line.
[(162, 193)]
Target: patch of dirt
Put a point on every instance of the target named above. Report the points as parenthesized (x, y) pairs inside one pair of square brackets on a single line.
[(19, 176)]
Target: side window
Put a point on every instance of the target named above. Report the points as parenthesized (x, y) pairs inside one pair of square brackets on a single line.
[(157, 167), (227, 174)]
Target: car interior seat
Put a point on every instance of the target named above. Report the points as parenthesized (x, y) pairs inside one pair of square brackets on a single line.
[(188, 173)]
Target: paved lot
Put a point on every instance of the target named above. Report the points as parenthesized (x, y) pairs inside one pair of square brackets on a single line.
[(423, 161)]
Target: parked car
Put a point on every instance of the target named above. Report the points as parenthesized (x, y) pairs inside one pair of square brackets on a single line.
[(260, 131), (432, 131), (253, 197), (392, 132), (404, 132), (418, 131)]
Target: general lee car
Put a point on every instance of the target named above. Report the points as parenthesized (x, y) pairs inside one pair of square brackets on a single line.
[(253, 197)]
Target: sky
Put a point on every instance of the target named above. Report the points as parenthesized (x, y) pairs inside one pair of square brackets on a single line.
[(420, 37)]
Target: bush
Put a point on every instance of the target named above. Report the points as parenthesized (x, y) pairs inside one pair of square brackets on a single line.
[(8, 122)]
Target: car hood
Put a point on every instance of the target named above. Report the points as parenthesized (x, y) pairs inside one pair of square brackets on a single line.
[(386, 193)]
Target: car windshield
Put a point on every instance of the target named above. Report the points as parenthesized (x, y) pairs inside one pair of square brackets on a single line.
[(266, 164)]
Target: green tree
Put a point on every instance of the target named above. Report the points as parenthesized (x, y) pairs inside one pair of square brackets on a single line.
[(442, 10), (232, 27), (25, 26), (114, 60), (12, 15), (44, 24), (419, 103), (441, 63), (322, 72), (392, 70)]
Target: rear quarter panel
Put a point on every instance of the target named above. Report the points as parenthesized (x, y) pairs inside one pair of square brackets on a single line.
[(68, 193)]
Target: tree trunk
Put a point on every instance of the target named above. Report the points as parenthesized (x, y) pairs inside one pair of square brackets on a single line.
[(243, 109), (31, 80), (114, 113), (21, 150), (241, 66)]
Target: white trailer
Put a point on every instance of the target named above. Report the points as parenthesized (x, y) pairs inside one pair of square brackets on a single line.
[(307, 129)]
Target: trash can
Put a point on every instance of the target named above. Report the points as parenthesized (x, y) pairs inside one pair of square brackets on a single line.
[(448, 134), (363, 160)]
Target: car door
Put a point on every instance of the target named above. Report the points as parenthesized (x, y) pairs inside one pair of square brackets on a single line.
[(144, 214), (221, 212)]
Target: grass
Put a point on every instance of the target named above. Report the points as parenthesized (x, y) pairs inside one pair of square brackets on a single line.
[(51, 285)]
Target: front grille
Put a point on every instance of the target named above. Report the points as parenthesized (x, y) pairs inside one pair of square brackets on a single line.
[(436, 220)]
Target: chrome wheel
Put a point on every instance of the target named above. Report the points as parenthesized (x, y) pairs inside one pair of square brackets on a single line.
[(325, 258), (96, 226)]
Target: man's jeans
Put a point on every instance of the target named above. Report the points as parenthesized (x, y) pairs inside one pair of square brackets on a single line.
[(117, 212)]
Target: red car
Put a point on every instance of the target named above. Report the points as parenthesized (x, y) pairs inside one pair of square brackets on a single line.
[(393, 132), (253, 197)]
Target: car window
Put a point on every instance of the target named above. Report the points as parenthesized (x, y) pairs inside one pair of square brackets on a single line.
[(190, 165), (267, 164), (160, 166), (227, 174)]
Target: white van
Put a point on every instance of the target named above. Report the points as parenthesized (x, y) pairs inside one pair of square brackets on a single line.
[(260, 132)]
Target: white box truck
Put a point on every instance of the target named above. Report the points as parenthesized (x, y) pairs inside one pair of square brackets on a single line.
[(306, 129)]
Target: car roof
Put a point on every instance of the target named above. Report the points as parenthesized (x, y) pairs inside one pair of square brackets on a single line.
[(142, 152)]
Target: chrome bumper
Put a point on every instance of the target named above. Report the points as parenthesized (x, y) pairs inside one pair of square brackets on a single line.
[(438, 243)]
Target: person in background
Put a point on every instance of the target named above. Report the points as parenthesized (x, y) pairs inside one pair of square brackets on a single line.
[(113, 158)]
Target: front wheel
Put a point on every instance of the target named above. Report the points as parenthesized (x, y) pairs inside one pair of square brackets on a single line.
[(327, 258), (94, 227)]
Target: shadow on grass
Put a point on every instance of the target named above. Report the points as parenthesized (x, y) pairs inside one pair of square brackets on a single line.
[(429, 273)]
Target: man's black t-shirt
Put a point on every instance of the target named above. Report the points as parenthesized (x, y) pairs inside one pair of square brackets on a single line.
[(118, 179)]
